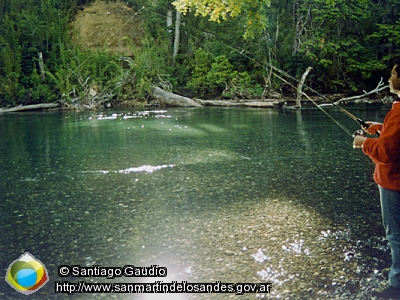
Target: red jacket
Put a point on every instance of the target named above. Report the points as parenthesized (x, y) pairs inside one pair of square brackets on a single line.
[(385, 151)]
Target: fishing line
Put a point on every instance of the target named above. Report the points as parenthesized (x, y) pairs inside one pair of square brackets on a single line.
[(324, 111), (358, 120), (241, 52)]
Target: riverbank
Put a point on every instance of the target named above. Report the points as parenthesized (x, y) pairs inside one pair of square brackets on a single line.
[(161, 98), (269, 103)]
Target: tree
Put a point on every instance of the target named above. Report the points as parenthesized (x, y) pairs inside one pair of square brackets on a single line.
[(349, 44), (177, 35), (217, 10), (336, 43)]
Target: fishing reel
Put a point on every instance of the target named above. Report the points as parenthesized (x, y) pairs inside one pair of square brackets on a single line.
[(359, 132)]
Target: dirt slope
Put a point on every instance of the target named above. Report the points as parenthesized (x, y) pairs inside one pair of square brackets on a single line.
[(109, 26)]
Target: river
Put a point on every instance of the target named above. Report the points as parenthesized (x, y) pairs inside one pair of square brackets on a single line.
[(226, 195)]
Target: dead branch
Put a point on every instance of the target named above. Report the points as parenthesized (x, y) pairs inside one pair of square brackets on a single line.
[(380, 87), (300, 87)]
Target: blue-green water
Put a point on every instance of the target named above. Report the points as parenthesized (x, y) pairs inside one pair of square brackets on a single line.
[(213, 194)]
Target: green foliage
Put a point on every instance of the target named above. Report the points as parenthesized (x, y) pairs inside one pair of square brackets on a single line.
[(81, 70), (349, 43), (243, 87), (40, 91), (150, 66), (28, 28), (337, 47), (387, 37), (200, 69), (217, 77), (217, 11)]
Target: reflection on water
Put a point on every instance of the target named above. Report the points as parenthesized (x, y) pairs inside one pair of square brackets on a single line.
[(230, 195), (145, 168)]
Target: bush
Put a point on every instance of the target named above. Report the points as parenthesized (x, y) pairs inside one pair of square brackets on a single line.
[(216, 78)]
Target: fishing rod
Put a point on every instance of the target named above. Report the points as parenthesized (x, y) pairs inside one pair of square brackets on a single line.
[(358, 120), (365, 125), (319, 107), (346, 112)]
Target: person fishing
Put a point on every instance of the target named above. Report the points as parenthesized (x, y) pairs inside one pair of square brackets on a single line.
[(385, 153)]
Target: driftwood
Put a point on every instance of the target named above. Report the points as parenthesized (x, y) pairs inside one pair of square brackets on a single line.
[(31, 107), (215, 103), (90, 96), (268, 103), (170, 99)]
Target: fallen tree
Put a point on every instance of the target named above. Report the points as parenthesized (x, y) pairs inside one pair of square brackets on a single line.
[(267, 103), (170, 99), (32, 107)]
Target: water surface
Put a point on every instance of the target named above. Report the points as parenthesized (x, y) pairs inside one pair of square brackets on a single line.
[(213, 194)]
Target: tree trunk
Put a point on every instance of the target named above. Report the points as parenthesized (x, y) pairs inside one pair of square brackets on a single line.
[(171, 99), (41, 65), (265, 104), (169, 20), (301, 17), (177, 35), (31, 107), (297, 20), (300, 87)]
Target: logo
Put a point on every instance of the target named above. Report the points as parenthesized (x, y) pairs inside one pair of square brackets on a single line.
[(26, 274)]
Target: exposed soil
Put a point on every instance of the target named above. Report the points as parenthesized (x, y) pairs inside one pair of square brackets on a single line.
[(112, 26)]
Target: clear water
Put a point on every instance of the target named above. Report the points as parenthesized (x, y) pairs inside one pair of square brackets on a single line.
[(213, 194)]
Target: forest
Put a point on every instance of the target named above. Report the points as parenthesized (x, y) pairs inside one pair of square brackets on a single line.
[(206, 49)]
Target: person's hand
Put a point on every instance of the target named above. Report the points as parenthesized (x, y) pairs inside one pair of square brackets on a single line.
[(373, 127), (358, 141)]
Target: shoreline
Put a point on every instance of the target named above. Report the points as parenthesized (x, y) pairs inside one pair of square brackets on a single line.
[(281, 103)]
